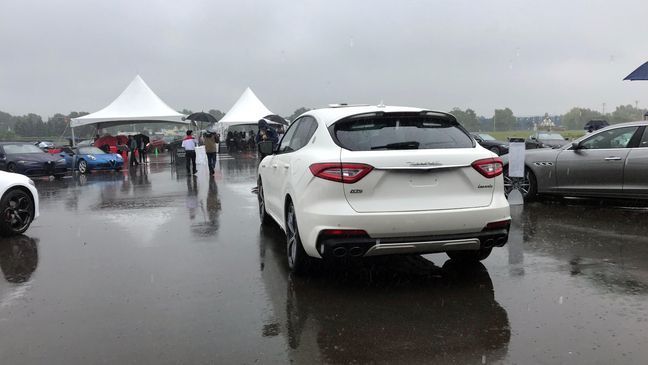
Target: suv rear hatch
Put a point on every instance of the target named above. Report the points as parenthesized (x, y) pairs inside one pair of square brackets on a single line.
[(417, 161)]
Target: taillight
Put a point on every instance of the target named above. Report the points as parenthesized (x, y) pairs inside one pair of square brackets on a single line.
[(347, 173), (489, 167)]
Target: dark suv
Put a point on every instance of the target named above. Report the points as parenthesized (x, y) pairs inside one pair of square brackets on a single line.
[(593, 125)]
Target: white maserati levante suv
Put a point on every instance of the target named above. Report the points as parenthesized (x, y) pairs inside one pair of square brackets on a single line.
[(357, 181), (19, 203)]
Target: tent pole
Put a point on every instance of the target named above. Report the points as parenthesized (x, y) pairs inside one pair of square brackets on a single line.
[(73, 141)]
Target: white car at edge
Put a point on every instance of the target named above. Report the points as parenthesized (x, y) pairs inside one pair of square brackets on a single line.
[(19, 203), (355, 181)]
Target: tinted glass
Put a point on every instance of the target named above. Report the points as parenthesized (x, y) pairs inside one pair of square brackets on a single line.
[(285, 141), (644, 139), (614, 138), (399, 131), (486, 137), (21, 148), (304, 132)]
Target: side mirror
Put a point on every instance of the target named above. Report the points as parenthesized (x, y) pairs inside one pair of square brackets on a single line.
[(575, 146), (265, 148)]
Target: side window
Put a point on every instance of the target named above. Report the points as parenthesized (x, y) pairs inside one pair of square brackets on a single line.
[(285, 141), (644, 139), (614, 138), (304, 132)]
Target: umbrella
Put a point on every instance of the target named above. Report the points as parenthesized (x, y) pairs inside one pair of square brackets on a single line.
[(201, 117), (640, 73), (276, 119)]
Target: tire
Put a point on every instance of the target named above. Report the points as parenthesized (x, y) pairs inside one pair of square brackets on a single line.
[(263, 215), (527, 185), (11, 167), (83, 166), (495, 150), (16, 212), (470, 256), (298, 259)]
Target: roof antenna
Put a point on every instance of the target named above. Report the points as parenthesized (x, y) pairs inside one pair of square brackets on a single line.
[(382, 104)]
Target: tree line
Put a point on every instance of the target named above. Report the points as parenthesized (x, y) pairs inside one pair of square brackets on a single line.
[(57, 125)]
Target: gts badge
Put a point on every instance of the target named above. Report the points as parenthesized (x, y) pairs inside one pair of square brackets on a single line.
[(480, 186), (355, 191)]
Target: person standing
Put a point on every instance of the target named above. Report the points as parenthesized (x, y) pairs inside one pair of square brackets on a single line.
[(209, 140), (189, 144), (132, 146)]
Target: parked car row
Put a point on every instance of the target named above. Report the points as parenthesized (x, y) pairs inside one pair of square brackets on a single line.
[(611, 162), (30, 160)]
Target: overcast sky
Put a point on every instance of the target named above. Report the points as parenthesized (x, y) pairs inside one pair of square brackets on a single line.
[(532, 56)]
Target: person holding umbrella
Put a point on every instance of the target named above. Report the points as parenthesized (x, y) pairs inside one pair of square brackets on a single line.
[(210, 142)]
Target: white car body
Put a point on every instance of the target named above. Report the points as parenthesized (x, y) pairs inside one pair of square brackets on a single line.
[(9, 180), (411, 201)]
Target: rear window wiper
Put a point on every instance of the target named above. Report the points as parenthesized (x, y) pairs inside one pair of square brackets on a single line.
[(409, 145)]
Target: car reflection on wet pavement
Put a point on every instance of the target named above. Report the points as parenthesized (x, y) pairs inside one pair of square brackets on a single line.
[(150, 265)]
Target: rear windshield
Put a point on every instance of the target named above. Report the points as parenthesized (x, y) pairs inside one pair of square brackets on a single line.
[(399, 132)]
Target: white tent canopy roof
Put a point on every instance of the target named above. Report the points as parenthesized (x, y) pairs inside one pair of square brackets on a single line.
[(136, 104), (248, 109)]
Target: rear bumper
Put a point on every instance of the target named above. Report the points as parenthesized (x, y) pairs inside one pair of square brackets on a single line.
[(358, 247), (403, 232)]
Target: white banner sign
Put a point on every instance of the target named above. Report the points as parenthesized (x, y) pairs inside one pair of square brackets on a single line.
[(516, 159)]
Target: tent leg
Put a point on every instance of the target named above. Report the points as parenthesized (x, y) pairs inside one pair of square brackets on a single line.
[(73, 141)]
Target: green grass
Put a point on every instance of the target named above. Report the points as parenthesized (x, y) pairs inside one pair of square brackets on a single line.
[(503, 136)]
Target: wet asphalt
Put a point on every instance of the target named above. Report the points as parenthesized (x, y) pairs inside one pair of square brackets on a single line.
[(151, 266)]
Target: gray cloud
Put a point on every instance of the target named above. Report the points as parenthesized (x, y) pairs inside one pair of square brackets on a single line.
[(532, 56)]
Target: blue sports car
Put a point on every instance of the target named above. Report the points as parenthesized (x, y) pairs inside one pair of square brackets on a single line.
[(91, 158)]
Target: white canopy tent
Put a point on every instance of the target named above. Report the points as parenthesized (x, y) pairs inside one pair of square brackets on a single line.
[(136, 104), (248, 109)]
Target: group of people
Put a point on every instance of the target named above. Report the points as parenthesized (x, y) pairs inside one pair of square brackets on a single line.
[(240, 141), (210, 140), (138, 143)]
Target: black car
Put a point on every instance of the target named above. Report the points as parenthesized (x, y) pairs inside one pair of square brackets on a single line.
[(490, 143), (545, 140), (595, 124), (28, 159)]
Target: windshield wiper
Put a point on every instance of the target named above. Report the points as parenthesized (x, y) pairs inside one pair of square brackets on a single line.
[(409, 145)]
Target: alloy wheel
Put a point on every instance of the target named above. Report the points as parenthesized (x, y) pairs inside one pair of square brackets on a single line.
[(291, 235), (83, 166), (523, 184), (18, 212)]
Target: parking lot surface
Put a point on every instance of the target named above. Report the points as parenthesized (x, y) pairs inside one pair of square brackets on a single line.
[(150, 265)]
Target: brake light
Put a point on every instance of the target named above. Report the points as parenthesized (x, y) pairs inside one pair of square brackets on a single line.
[(489, 167), (347, 173)]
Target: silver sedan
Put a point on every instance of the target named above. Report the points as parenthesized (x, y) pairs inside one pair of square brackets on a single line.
[(611, 162)]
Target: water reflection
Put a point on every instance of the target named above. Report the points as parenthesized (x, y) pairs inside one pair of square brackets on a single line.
[(606, 245), (203, 211), (18, 258), (391, 310)]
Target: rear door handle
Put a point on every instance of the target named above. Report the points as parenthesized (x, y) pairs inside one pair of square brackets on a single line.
[(286, 166), (613, 158), (274, 166)]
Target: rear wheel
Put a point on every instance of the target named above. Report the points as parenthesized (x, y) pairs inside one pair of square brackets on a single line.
[(11, 167), (265, 218), (298, 260), (527, 185), (17, 208), (83, 166), (495, 150), (470, 256)]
